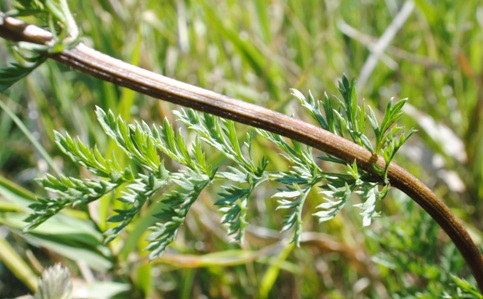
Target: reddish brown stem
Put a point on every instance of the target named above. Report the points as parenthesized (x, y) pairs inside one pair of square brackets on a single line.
[(107, 68)]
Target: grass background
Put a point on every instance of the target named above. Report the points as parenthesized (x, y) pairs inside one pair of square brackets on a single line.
[(256, 51)]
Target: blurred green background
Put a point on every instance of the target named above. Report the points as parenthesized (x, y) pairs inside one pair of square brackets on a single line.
[(428, 51)]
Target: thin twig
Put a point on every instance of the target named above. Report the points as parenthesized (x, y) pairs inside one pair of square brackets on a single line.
[(107, 68)]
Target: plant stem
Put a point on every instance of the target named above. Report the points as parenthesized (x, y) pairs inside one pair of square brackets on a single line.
[(107, 68)]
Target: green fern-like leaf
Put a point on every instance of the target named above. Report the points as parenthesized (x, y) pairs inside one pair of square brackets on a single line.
[(222, 135), (16, 72), (173, 214), (233, 204), (142, 144), (71, 192), (139, 191), (298, 181)]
